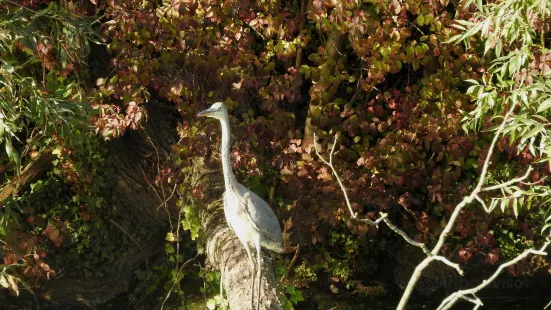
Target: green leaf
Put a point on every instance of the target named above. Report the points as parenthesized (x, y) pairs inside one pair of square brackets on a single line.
[(169, 249), (420, 20), (536, 130), (169, 237), (290, 289), (2, 128), (546, 104), (503, 204), (498, 48), (487, 45), (211, 304), (9, 149), (57, 151), (295, 298)]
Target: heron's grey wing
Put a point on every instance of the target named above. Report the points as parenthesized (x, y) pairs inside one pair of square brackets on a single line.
[(261, 214)]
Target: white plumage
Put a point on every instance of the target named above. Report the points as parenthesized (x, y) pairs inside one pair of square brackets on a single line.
[(249, 216)]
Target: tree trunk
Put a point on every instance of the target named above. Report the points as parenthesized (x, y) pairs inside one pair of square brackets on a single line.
[(224, 250), (137, 156)]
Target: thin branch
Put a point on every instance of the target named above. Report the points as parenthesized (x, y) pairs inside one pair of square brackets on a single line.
[(420, 245), (540, 181), (448, 262), (508, 183), (334, 171), (293, 261), (478, 303), (488, 210), (184, 265), (452, 299)]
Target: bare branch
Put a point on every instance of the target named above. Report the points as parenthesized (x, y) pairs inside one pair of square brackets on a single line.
[(534, 183), (291, 264), (448, 262), (488, 210), (39, 165), (334, 171), (452, 299), (508, 183), (420, 245), (475, 300)]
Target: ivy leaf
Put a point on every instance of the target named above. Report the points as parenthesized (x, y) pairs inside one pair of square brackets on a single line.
[(169, 237), (295, 298), (169, 249)]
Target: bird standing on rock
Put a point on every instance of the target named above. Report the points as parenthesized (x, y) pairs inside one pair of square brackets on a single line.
[(249, 216)]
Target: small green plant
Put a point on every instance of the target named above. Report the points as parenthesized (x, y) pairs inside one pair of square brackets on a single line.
[(290, 297), (211, 287), (304, 272), (215, 303)]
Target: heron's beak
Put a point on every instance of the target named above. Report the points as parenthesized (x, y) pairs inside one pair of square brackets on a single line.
[(204, 113)]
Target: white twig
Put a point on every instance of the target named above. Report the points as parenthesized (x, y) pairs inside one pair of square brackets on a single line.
[(334, 171), (452, 299), (448, 262), (478, 303), (406, 237), (488, 210), (510, 182)]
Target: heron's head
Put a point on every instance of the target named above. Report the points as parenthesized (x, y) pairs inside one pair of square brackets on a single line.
[(216, 110)]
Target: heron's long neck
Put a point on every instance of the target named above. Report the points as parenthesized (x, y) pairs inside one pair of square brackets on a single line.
[(229, 178)]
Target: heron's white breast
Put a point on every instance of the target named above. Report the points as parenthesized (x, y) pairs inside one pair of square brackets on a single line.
[(238, 220)]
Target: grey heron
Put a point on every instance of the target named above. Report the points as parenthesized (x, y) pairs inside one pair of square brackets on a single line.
[(249, 216)]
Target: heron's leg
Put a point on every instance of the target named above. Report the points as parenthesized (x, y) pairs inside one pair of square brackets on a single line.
[(259, 270), (249, 254), (251, 261)]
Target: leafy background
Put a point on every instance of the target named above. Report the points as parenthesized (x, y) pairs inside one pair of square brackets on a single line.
[(412, 89)]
